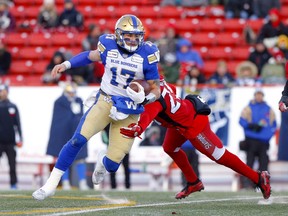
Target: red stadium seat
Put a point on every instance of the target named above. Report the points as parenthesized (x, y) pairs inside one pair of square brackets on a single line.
[(125, 9), (148, 12), (170, 12), (31, 12), (31, 53), (21, 67), (228, 39), (187, 25), (40, 39), (39, 67), (16, 39), (240, 53), (233, 25), (103, 11), (63, 39), (209, 67), (256, 24), (211, 25), (203, 39), (216, 53), (18, 11)]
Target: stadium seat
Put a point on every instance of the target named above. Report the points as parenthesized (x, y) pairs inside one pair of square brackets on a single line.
[(203, 39), (240, 53), (209, 67), (31, 12), (31, 53), (149, 12), (233, 25), (184, 25), (16, 39), (39, 67), (211, 25), (39, 39), (256, 24), (63, 39), (23, 67), (18, 11), (103, 11), (127, 9), (171, 12), (216, 53), (228, 39), (232, 66)]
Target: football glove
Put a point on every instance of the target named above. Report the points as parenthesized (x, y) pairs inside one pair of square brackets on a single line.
[(137, 97), (133, 130), (283, 103)]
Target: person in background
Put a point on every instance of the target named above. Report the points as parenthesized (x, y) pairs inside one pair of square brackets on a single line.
[(48, 15), (193, 76), (238, 9), (170, 68), (7, 20), (261, 8), (5, 59), (246, 74), (152, 136), (259, 124), (10, 132), (260, 55), (67, 112), (70, 17), (125, 163), (222, 76)]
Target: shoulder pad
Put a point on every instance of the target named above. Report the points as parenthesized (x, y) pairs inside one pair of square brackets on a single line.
[(106, 41), (153, 54)]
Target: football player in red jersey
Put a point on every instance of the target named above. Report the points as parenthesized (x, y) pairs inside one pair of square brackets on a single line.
[(188, 119)]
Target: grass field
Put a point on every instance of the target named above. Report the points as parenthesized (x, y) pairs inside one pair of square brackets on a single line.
[(118, 203)]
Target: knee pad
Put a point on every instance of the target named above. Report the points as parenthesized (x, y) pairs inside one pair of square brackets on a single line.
[(78, 140), (110, 165)]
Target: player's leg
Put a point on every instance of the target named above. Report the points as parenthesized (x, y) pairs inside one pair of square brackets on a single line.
[(118, 147), (172, 143), (11, 154), (126, 166), (209, 144), (93, 121)]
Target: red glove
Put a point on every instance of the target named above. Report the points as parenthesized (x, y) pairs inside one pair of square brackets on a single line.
[(283, 104), (133, 130)]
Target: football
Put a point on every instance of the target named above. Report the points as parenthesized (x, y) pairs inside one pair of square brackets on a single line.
[(143, 83)]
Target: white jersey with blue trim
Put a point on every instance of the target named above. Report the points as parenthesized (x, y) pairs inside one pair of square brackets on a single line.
[(122, 67)]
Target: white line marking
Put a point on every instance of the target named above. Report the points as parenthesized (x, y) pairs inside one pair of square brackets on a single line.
[(161, 204)]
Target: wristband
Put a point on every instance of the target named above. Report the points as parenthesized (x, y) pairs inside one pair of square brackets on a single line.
[(67, 64), (149, 98)]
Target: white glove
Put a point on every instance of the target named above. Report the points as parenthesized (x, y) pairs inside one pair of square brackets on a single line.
[(137, 97), (114, 114)]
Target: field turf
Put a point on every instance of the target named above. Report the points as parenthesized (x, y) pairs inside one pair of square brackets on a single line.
[(126, 203)]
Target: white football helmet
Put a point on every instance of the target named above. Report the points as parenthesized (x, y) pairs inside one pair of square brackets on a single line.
[(129, 24)]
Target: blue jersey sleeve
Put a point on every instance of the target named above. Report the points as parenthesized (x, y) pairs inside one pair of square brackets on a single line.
[(151, 61)]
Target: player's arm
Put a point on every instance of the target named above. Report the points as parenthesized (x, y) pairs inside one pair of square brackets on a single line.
[(154, 92), (82, 59), (151, 111), (283, 103)]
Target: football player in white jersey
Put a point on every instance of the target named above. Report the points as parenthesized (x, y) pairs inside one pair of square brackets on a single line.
[(126, 57)]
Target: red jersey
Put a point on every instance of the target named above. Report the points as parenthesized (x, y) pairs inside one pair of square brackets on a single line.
[(171, 111)]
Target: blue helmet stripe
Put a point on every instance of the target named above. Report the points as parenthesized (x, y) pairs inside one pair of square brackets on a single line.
[(134, 21)]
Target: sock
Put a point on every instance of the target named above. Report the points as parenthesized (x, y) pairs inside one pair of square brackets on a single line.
[(81, 170), (53, 180), (182, 162), (233, 162)]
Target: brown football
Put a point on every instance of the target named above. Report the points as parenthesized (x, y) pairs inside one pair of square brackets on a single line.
[(143, 83)]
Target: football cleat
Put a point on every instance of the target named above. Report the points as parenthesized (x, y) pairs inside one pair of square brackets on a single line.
[(190, 188), (264, 183), (100, 171), (40, 194)]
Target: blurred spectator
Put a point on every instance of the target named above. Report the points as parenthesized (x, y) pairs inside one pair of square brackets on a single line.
[(7, 20), (193, 159), (259, 124), (168, 43), (246, 73), (184, 3), (270, 31), (222, 76), (90, 43), (186, 54), (260, 55), (152, 136), (70, 17), (125, 162), (282, 44), (57, 58), (193, 75), (170, 68), (238, 9), (261, 8), (48, 15), (10, 129), (273, 73), (67, 112), (5, 59)]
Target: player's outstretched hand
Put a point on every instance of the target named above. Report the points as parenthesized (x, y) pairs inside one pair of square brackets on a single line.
[(133, 130), (59, 68), (283, 104)]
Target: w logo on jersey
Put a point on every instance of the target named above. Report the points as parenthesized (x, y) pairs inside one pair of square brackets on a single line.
[(126, 105)]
